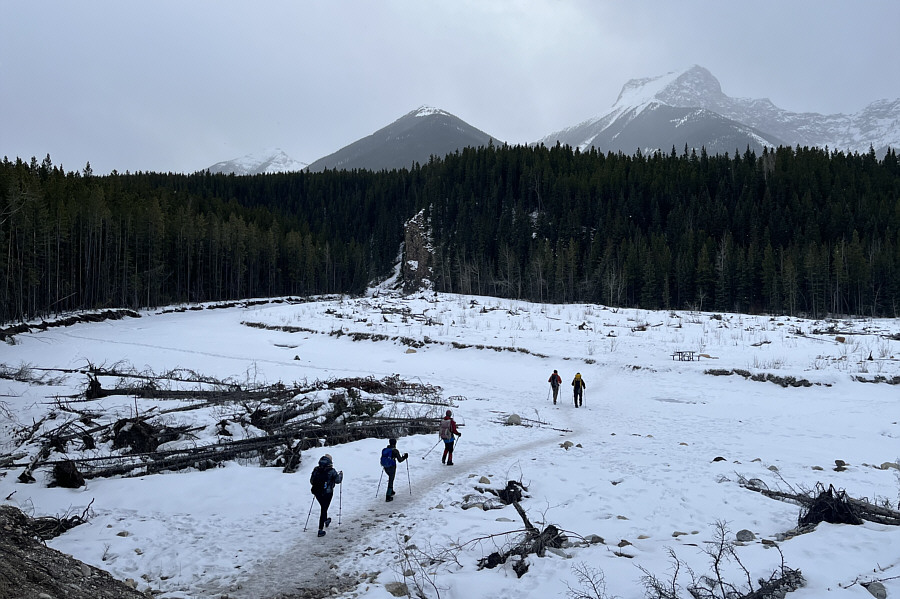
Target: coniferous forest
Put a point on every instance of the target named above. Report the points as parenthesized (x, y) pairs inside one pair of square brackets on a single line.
[(794, 230)]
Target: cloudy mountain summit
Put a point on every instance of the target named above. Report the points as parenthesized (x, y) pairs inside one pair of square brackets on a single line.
[(689, 107), (271, 160), (414, 137)]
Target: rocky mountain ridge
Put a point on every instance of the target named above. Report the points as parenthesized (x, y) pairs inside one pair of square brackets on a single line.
[(680, 109)]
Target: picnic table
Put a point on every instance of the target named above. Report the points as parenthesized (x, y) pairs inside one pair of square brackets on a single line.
[(683, 355)]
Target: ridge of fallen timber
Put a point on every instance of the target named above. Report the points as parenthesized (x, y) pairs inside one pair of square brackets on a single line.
[(272, 438), (160, 460), (207, 394)]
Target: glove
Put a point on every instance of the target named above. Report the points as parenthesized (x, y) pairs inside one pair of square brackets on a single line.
[(459, 434), (405, 455)]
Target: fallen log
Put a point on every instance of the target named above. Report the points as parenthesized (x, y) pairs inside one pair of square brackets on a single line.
[(863, 509)]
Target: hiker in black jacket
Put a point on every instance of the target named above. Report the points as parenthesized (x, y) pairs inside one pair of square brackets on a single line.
[(555, 381), (390, 455), (323, 479)]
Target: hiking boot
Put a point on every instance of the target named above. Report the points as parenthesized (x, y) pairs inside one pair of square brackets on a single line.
[(321, 533), (449, 463), (389, 498), (327, 522)]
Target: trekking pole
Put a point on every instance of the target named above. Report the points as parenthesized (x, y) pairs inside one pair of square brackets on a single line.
[(378, 490), (548, 394), (341, 503), (310, 513), (409, 482), (432, 449)]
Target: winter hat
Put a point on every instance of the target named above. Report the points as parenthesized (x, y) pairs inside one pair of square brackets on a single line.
[(325, 460), (392, 442), (449, 413)]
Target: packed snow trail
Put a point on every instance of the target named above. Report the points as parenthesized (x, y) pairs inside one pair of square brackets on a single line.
[(313, 566)]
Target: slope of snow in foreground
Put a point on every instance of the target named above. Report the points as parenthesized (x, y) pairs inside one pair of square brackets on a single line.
[(641, 471)]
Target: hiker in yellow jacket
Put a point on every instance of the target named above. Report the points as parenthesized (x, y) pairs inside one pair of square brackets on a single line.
[(578, 386)]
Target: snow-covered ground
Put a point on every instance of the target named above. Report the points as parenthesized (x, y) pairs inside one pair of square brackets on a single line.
[(641, 471)]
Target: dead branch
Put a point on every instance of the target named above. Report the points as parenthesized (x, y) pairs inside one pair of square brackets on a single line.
[(25, 476), (535, 541)]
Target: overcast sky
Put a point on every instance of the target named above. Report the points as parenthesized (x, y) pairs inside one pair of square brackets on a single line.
[(180, 85)]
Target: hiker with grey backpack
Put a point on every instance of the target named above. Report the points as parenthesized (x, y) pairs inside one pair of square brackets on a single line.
[(323, 480), (447, 432)]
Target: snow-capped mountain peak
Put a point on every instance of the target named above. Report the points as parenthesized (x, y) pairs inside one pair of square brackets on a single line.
[(413, 138), (269, 160), (678, 88), (688, 107), (429, 111)]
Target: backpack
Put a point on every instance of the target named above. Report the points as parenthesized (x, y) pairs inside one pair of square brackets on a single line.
[(446, 429), (387, 457), (319, 480)]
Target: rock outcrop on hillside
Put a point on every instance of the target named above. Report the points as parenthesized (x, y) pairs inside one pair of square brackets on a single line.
[(417, 255), (28, 568)]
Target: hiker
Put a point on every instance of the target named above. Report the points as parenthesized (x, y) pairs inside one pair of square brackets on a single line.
[(448, 429), (390, 455), (578, 386), (555, 381), (323, 479)]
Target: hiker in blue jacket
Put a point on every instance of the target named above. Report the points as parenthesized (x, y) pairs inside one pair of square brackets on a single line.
[(323, 479), (390, 455)]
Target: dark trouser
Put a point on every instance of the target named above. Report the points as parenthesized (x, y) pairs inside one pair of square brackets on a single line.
[(448, 451), (579, 396), (555, 391), (391, 472), (324, 500)]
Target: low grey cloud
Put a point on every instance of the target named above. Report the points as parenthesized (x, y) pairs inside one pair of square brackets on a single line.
[(178, 86)]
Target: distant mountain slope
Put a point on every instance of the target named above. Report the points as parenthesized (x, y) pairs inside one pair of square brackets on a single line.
[(689, 107), (414, 137), (272, 160)]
